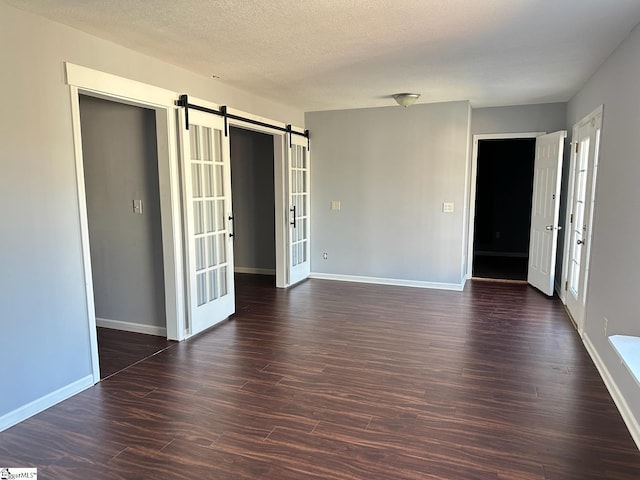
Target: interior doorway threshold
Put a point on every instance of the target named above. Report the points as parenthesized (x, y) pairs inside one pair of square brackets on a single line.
[(499, 280)]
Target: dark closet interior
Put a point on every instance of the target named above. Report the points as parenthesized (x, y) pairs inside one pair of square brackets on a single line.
[(504, 187)]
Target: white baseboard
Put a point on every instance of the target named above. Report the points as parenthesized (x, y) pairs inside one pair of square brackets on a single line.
[(131, 327), (388, 281), (33, 408), (623, 407), (256, 271)]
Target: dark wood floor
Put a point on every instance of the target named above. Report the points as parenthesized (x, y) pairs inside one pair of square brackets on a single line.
[(331, 380), (119, 350)]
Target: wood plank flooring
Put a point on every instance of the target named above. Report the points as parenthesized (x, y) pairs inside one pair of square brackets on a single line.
[(332, 380), (119, 350)]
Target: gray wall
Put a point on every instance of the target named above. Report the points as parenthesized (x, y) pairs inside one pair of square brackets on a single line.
[(615, 257), (42, 289), (546, 117), (119, 149), (392, 168), (254, 245)]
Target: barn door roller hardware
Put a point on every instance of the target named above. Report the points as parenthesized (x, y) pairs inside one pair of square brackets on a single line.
[(183, 102)]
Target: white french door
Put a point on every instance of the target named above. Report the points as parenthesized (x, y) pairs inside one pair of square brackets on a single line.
[(299, 262), (207, 193), (585, 144), (545, 207)]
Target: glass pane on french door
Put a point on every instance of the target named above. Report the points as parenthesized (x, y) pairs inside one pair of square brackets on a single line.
[(578, 226), (208, 209)]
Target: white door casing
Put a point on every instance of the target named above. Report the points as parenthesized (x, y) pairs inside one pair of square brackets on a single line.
[(585, 145), (86, 81), (472, 184), (545, 207), (298, 181), (209, 220)]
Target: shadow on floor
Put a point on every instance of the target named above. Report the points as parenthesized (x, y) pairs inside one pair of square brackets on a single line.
[(504, 268)]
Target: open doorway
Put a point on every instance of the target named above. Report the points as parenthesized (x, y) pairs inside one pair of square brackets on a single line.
[(119, 147), (172, 156), (504, 186), (253, 192)]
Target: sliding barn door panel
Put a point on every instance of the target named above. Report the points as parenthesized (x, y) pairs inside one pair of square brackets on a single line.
[(209, 217), (299, 261)]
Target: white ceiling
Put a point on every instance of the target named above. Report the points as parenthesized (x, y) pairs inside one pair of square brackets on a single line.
[(336, 54)]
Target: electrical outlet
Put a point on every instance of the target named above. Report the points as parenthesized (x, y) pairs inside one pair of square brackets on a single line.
[(325, 256), (606, 324)]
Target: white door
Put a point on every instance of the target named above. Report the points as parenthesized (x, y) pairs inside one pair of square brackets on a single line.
[(545, 207), (585, 144), (207, 193), (299, 261)]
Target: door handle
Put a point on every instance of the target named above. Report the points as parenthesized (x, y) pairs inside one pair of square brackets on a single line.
[(550, 227), (580, 242), (294, 216), (232, 233)]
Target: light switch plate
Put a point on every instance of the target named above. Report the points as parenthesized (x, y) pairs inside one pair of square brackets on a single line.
[(137, 206), (335, 204), (447, 207)]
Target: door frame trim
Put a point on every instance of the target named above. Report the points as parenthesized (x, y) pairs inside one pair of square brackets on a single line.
[(82, 80), (280, 145), (471, 221)]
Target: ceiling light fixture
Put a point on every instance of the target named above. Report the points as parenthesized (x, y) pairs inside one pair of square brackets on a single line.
[(406, 99)]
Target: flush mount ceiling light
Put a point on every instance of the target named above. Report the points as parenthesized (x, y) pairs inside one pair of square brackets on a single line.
[(406, 99)]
